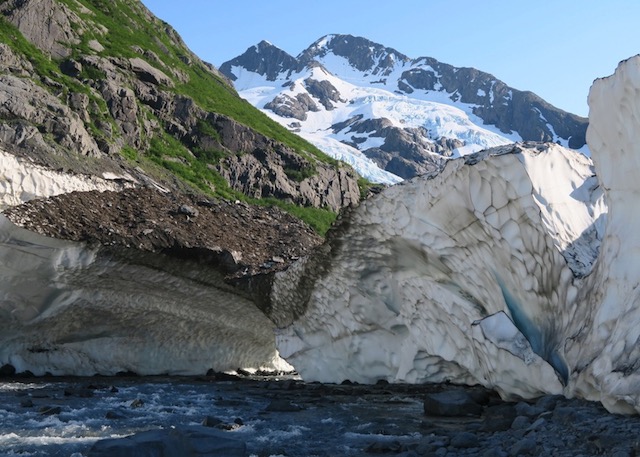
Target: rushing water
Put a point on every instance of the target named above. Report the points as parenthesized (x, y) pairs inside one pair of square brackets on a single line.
[(332, 420)]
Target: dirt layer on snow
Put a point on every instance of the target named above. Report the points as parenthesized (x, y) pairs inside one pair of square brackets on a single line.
[(245, 239)]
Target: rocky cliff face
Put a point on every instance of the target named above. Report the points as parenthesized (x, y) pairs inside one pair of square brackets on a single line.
[(108, 88), (404, 114)]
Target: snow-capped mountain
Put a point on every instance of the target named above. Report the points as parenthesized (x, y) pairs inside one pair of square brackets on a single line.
[(389, 115)]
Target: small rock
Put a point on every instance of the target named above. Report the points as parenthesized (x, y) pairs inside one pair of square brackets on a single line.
[(282, 406), (137, 403), (525, 409), (71, 68), (78, 392), (525, 446), (7, 370), (50, 410), (211, 421), (520, 422), (114, 415), (188, 211), (227, 427), (499, 418), (26, 403), (95, 45), (220, 376), (277, 259), (549, 402), (384, 447), (441, 452), (567, 415), (238, 421), (464, 440), (451, 403), (538, 423), (206, 203)]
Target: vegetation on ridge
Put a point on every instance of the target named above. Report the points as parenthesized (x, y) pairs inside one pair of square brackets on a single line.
[(129, 26), (125, 29)]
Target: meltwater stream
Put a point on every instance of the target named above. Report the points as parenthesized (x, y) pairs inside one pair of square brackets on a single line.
[(276, 417), (66, 417)]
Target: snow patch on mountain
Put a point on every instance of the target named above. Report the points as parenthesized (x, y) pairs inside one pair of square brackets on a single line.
[(22, 180), (439, 119), (406, 115)]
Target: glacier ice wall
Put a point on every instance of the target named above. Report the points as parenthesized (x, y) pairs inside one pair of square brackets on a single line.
[(606, 356), (69, 308), (454, 277), (506, 269)]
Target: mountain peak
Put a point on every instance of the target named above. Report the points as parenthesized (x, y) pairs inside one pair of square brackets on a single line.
[(406, 115), (263, 58), (361, 53)]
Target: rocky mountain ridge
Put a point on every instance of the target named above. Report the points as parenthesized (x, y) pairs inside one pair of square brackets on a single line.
[(108, 88), (404, 114)]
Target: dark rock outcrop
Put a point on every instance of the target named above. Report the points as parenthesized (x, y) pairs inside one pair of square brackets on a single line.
[(406, 152), (361, 53), (263, 58), (278, 173), (296, 107), (185, 441), (48, 24), (323, 91)]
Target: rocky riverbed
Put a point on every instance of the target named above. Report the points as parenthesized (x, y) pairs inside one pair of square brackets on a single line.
[(283, 416)]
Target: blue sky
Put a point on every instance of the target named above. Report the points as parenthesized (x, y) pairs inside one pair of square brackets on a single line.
[(553, 48)]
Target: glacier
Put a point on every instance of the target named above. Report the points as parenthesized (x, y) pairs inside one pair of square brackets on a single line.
[(505, 269), (514, 268), (434, 112), (71, 308), (21, 181), (453, 277)]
